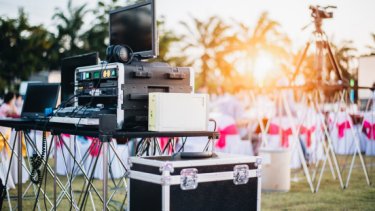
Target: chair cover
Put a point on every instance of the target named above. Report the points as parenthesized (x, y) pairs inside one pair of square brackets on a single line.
[(37, 137), (65, 162), (116, 170), (230, 140), (369, 133), (280, 136), (5, 154), (311, 134), (14, 161), (342, 135)]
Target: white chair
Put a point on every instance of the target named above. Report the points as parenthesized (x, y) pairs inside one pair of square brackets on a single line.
[(369, 132), (280, 136), (311, 134), (37, 137), (197, 144), (230, 140), (342, 135), (14, 162), (116, 170), (5, 154), (78, 146)]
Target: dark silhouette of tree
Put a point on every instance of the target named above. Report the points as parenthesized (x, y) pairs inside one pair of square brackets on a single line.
[(344, 53), (69, 27), (372, 47), (24, 50), (96, 38)]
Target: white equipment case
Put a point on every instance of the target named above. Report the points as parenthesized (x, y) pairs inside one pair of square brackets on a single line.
[(177, 112)]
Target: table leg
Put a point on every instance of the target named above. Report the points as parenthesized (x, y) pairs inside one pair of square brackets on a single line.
[(55, 139), (19, 169), (105, 174)]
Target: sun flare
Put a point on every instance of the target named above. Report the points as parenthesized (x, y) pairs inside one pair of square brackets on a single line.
[(263, 65)]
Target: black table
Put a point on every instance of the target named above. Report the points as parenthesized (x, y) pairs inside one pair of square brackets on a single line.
[(24, 125), (83, 130)]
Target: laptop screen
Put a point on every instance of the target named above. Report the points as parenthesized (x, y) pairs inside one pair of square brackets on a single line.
[(40, 96)]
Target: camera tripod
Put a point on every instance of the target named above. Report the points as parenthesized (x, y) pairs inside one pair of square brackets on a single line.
[(322, 45)]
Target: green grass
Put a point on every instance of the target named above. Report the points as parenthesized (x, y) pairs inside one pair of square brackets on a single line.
[(358, 196)]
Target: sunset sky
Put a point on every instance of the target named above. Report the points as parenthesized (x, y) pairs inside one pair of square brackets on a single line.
[(353, 20)]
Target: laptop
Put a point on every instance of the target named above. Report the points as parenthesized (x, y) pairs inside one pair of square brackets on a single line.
[(38, 98)]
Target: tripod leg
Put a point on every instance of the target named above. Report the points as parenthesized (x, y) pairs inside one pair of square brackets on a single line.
[(323, 139), (333, 60), (297, 143), (301, 59)]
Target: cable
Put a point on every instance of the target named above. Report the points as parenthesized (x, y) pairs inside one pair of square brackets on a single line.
[(138, 146), (36, 163), (86, 106), (214, 121)]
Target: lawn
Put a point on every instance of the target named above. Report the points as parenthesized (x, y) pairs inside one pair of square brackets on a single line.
[(358, 196)]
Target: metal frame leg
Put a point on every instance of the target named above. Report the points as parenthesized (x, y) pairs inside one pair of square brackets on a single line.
[(8, 172), (48, 167), (105, 173), (19, 170), (55, 140), (80, 167)]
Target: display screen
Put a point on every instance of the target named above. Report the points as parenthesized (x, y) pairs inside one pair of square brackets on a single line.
[(133, 27), (39, 97), (68, 67)]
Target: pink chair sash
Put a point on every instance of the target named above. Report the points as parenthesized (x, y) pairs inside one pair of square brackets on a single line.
[(342, 127), (308, 132), (94, 146), (369, 130), (163, 143), (229, 130), (60, 141), (275, 130)]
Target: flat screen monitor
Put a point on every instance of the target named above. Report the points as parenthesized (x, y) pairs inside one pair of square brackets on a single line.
[(135, 26), (40, 96), (68, 66)]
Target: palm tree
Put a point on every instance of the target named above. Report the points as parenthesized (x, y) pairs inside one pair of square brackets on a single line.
[(167, 39), (210, 41), (69, 29), (344, 52), (265, 37), (372, 48), (24, 50)]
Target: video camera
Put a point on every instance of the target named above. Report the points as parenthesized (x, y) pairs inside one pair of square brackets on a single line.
[(319, 12)]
